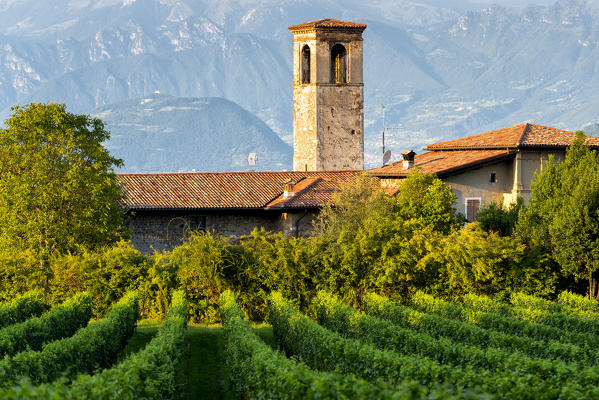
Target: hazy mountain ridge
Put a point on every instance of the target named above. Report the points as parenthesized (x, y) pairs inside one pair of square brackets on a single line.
[(439, 72), (160, 133)]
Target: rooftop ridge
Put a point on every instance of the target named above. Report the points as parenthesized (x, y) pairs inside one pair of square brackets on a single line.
[(328, 23), (238, 173), (524, 135)]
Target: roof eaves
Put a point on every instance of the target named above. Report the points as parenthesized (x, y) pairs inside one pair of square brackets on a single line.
[(458, 169)]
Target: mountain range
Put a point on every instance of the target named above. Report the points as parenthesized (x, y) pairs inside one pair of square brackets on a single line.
[(441, 69)]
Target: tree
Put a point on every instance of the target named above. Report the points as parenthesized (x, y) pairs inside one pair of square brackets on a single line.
[(563, 214), (373, 241), (58, 191), (494, 217)]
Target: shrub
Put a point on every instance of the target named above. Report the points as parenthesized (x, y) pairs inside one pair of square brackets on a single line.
[(95, 346), (61, 321), (21, 308), (148, 374)]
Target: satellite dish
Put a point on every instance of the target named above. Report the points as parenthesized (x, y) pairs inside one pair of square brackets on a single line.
[(386, 157), (252, 158)]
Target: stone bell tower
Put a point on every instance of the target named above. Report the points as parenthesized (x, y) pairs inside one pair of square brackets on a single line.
[(328, 96)]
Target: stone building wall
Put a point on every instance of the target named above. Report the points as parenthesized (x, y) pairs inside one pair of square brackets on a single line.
[(158, 231)]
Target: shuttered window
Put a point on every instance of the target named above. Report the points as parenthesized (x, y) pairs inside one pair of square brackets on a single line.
[(472, 206)]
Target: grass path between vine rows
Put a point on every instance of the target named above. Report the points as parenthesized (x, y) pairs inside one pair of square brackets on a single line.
[(202, 374)]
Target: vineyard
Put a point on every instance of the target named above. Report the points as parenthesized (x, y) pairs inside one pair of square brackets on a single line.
[(478, 348)]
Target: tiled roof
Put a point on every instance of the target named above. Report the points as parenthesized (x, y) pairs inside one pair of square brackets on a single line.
[(441, 162), (215, 190), (328, 23), (519, 136), (309, 192)]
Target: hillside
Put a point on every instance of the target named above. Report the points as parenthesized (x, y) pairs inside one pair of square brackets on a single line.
[(160, 133), (442, 69)]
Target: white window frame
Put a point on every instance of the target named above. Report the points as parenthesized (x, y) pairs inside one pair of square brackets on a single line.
[(466, 205)]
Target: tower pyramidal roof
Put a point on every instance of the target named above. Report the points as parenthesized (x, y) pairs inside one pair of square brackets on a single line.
[(328, 23)]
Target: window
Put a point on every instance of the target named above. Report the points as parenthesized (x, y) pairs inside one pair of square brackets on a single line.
[(338, 64), (493, 177), (472, 207), (305, 64)]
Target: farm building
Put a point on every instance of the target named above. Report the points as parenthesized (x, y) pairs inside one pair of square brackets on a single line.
[(328, 128)]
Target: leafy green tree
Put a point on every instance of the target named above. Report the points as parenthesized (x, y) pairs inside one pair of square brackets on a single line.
[(472, 260), (494, 217), (58, 191), (373, 241), (563, 214), (426, 198)]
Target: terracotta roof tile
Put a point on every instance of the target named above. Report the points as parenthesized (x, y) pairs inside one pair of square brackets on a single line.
[(309, 192), (518, 136), (439, 162), (214, 190), (328, 23)]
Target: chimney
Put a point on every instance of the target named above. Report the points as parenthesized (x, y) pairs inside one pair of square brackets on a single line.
[(408, 159), (288, 189)]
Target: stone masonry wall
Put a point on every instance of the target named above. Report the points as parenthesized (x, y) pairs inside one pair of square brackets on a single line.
[(328, 118), (159, 231)]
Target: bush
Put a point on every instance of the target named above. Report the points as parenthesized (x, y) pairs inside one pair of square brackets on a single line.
[(95, 346), (148, 374), (494, 217), (259, 372), (61, 321), (107, 275), (21, 308)]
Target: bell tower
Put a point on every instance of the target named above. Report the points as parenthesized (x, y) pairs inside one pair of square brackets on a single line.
[(328, 96)]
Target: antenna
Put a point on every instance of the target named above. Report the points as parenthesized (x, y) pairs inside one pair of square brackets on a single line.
[(386, 157), (383, 110)]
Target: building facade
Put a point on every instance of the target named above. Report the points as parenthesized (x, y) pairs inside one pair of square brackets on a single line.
[(164, 208), (495, 166)]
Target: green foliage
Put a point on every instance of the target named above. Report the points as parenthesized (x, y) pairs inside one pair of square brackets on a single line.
[(106, 274), (95, 346), (60, 322), (353, 206), (563, 217), (370, 240), (322, 349), (20, 272), (57, 188), (426, 198), (439, 327), (259, 372), (577, 302), (147, 374), (494, 217), (476, 310), (23, 307), (525, 375), (473, 261)]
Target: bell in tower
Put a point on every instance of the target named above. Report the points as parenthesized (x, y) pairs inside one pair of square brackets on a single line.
[(328, 96)]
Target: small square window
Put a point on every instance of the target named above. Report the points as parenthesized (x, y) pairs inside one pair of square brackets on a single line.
[(493, 177)]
